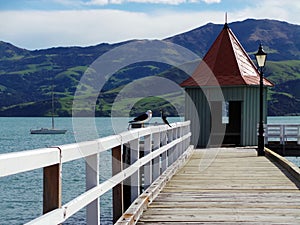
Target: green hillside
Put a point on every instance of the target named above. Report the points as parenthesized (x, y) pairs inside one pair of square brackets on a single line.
[(284, 97), (27, 77)]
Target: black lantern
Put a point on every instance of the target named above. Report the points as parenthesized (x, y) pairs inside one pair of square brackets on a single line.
[(261, 57)]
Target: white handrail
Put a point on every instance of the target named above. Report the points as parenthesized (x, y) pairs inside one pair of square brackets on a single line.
[(282, 132), (176, 144), (17, 162)]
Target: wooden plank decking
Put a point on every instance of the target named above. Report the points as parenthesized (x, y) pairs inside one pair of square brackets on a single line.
[(236, 188)]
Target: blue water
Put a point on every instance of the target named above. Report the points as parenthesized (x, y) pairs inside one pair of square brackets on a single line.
[(21, 194)]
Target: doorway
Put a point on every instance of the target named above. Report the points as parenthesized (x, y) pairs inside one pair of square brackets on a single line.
[(233, 126)]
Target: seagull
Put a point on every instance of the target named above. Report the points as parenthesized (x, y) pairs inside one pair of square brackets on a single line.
[(164, 118), (143, 118)]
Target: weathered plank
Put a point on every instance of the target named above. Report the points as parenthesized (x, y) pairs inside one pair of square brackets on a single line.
[(234, 187)]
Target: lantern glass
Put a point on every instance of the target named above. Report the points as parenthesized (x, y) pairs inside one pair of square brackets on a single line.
[(261, 56)]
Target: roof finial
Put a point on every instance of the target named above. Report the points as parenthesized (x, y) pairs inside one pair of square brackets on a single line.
[(225, 25)]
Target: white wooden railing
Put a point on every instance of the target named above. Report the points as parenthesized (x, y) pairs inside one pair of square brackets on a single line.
[(161, 146), (282, 133)]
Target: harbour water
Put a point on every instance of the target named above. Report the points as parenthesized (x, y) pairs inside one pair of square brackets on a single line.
[(21, 194)]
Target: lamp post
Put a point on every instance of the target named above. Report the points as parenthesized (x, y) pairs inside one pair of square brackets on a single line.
[(261, 60)]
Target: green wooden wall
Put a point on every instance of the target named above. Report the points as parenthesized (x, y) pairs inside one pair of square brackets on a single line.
[(197, 109)]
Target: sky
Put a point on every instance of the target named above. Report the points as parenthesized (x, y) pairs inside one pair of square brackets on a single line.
[(40, 24)]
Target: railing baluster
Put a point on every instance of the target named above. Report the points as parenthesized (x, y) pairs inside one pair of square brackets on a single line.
[(164, 163), (156, 161), (177, 147), (266, 134), (181, 133), (282, 134), (298, 138), (117, 166), (92, 180), (148, 166), (135, 178), (170, 139), (187, 141), (126, 182)]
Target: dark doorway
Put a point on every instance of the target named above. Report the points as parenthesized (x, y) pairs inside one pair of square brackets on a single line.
[(233, 126)]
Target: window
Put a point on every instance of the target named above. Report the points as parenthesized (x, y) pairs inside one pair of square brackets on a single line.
[(225, 112)]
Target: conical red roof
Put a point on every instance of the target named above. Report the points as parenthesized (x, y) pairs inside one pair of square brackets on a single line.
[(225, 64)]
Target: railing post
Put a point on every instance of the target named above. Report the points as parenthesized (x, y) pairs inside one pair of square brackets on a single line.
[(148, 166), (298, 138), (156, 161), (135, 178), (117, 166), (126, 183), (282, 134), (189, 139), (164, 163), (169, 135), (170, 151), (181, 145), (131, 188), (92, 180), (266, 133), (184, 143), (52, 187), (175, 148), (178, 146)]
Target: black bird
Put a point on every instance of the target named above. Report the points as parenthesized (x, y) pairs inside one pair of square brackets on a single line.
[(164, 118)]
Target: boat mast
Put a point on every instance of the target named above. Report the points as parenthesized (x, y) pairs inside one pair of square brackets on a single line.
[(52, 111)]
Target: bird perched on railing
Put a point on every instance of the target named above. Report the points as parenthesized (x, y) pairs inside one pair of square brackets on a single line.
[(164, 118), (142, 119)]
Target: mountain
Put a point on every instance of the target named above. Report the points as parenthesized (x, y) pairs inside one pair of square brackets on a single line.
[(280, 39), (26, 77)]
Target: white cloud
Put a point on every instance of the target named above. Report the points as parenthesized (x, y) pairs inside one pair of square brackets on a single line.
[(167, 2), (278, 10), (40, 29), (211, 1), (96, 2), (44, 29)]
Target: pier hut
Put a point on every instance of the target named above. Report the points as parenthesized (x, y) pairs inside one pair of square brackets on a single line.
[(224, 91)]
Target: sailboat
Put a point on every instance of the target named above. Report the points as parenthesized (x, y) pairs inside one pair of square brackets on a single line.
[(51, 130)]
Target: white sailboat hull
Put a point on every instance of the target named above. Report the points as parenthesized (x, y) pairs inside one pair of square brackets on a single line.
[(48, 131)]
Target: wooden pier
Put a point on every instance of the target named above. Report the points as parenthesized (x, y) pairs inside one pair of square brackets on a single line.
[(163, 180), (227, 186)]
